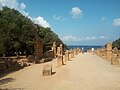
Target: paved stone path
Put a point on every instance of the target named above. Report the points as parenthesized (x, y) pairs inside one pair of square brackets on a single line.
[(84, 72)]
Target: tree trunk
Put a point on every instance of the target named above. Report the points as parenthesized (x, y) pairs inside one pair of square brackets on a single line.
[(3, 54), (17, 54)]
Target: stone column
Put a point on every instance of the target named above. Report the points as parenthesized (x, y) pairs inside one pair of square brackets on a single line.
[(104, 53), (59, 57), (66, 55), (38, 47), (75, 51), (54, 49), (115, 59), (109, 51), (79, 50), (61, 49), (59, 60), (71, 54)]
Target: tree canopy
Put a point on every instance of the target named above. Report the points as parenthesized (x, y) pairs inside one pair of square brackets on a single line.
[(116, 43), (17, 33)]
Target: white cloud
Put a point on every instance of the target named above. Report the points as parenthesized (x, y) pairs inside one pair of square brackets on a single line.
[(69, 38), (103, 18), (55, 17), (90, 38), (102, 37), (73, 38), (76, 12), (40, 21), (14, 4), (116, 22), (21, 8)]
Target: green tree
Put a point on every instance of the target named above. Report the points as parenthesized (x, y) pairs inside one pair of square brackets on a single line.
[(116, 43)]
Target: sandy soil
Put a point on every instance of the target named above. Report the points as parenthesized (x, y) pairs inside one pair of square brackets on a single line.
[(84, 72)]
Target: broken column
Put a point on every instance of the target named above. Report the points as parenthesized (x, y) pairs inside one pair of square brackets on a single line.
[(59, 57), (79, 50), (71, 54), (115, 59), (75, 51), (66, 55), (38, 47), (109, 51), (54, 49), (47, 70), (61, 49)]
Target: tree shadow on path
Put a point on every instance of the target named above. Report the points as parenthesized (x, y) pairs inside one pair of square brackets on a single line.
[(6, 80)]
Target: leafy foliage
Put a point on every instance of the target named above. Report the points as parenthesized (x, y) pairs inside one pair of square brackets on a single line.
[(17, 33), (116, 43)]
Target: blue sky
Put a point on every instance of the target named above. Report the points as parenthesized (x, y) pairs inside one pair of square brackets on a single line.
[(77, 22)]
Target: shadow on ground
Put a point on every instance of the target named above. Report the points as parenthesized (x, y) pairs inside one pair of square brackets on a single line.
[(6, 80)]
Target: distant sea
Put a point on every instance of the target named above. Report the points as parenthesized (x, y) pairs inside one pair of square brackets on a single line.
[(84, 46)]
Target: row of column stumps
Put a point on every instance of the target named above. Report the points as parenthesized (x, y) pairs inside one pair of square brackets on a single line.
[(59, 53), (68, 54), (111, 55), (106, 52)]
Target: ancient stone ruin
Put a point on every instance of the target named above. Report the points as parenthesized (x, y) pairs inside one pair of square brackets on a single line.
[(66, 55), (115, 58), (38, 47), (47, 70), (109, 54), (54, 49), (59, 57), (109, 51), (71, 54)]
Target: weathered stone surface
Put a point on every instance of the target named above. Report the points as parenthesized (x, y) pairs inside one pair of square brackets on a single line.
[(61, 49), (115, 60), (54, 49), (66, 55), (119, 54), (38, 47), (60, 60), (89, 50), (109, 46), (75, 51), (109, 55), (47, 70), (71, 54), (115, 52), (58, 51)]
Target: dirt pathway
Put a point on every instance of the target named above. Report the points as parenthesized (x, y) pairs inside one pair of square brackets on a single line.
[(84, 72)]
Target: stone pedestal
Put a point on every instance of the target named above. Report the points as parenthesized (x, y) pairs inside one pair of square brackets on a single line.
[(61, 49), (67, 55), (75, 52), (47, 70), (115, 60), (109, 46), (60, 60), (109, 55), (58, 51), (71, 54), (109, 51), (54, 49)]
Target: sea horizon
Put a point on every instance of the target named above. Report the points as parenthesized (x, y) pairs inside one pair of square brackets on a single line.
[(84, 46)]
